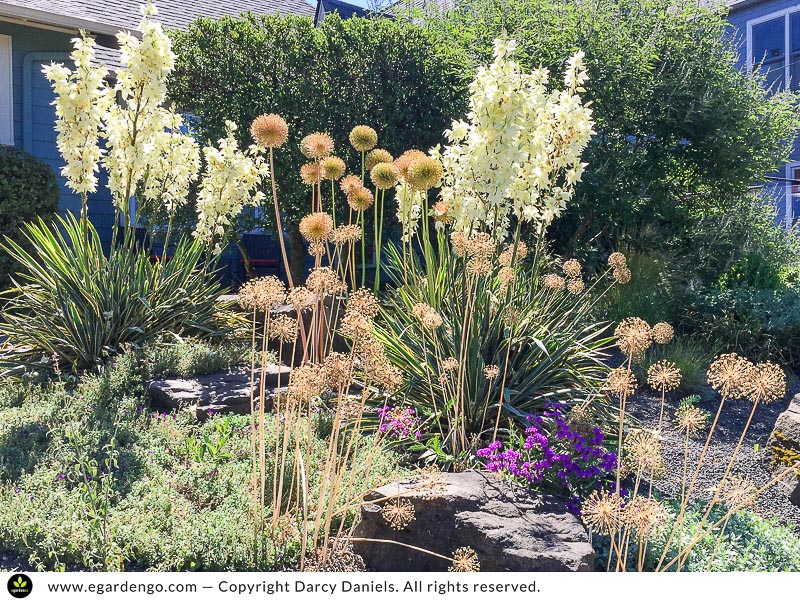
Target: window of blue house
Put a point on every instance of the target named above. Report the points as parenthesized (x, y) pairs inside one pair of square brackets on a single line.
[(774, 49), (769, 51)]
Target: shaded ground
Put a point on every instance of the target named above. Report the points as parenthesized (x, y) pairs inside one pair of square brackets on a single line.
[(750, 461)]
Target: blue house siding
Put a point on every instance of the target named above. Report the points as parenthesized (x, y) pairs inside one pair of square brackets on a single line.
[(740, 17), (34, 115)]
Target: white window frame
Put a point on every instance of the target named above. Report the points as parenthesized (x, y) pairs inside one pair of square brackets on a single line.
[(786, 40), (6, 92), (790, 167)]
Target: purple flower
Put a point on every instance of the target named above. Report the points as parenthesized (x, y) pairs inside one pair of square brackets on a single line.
[(399, 423)]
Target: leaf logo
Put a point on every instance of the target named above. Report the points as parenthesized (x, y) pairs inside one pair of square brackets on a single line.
[(20, 585)]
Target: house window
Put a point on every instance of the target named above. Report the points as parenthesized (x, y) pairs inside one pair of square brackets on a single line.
[(792, 211), (6, 92), (773, 44)]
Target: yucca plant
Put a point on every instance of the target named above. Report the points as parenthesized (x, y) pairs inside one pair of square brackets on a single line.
[(499, 354), (74, 304)]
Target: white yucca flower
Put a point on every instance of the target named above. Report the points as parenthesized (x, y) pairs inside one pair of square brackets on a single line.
[(81, 100), (230, 183), (519, 150), (409, 208)]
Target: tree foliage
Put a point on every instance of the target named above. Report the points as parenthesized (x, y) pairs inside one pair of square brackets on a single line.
[(680, 129)]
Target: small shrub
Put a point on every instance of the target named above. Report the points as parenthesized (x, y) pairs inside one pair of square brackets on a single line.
[(187, 358), (759, 323), (691, 356), (28, 189)]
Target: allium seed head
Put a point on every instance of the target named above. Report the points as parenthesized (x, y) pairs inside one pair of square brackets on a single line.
[(398, 513), (384, 176), (575, 286), (377, 156), (269, 131), (311, 173), (332, 167), (346, 234), (316, 146), (601, 512), (465, 560), (730, 375), (363, 138), (767, 382), (690, 419), (350, 184), (633, 336), (316, 227), (360, 199), (491, 372), (553, 282), (572, 268), (622, 275), (664, 376), (424, 173), (663, 333), (617, 260), (621, 382), (405, 159)]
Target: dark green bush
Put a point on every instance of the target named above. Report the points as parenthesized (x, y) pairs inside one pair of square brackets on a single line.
[(28, 189), (757, 323)]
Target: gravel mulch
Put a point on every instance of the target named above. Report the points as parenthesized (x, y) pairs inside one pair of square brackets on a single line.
[(749, 463)]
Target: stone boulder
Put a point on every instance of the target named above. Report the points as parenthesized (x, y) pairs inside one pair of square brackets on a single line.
[(509, 527), (783, 446), (222, 392)]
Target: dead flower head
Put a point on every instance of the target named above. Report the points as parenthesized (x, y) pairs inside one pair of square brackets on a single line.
[(363, 138), (450, 364), (690, 420), (491, 372), (427, 315), (572, 268), (360, 199), (621, 382), (730, 375), (664, 376), (601, 512), (458, 239), (507, 255), (323, 281), (350, 184), (311, 173), (617, 260), (377, 156), (316, 227), (575, 286), (332, 167), (405, 159), (302, 299), (269, 131), (738, 492), (633, 336), (643, 454), (465, 560), (283, 328), (384, 175), (766, 383), (663, 333), (263, 294), (424, 173), (645, 516), (553, 282), (316, 145), (346, 234), (363, 302), (337, 370), (622, 275), (398, 513)]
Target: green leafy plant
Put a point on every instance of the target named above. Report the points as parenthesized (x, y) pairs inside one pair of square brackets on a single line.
[(79, 305), (28, 189)]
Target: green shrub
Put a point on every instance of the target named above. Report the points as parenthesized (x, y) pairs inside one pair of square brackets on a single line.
[(758, 323), (81, 306), (748, 543), (691, 356), (187, 358), (651, 293), (151, 502), (28, 189)]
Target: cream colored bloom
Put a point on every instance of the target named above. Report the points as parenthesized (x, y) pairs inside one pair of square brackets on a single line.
[(519, 150), (229, 184)]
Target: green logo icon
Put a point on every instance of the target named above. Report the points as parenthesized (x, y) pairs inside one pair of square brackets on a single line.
[(20, 585)]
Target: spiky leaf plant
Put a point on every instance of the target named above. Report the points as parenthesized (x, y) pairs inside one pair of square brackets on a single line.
[(73, 302)]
